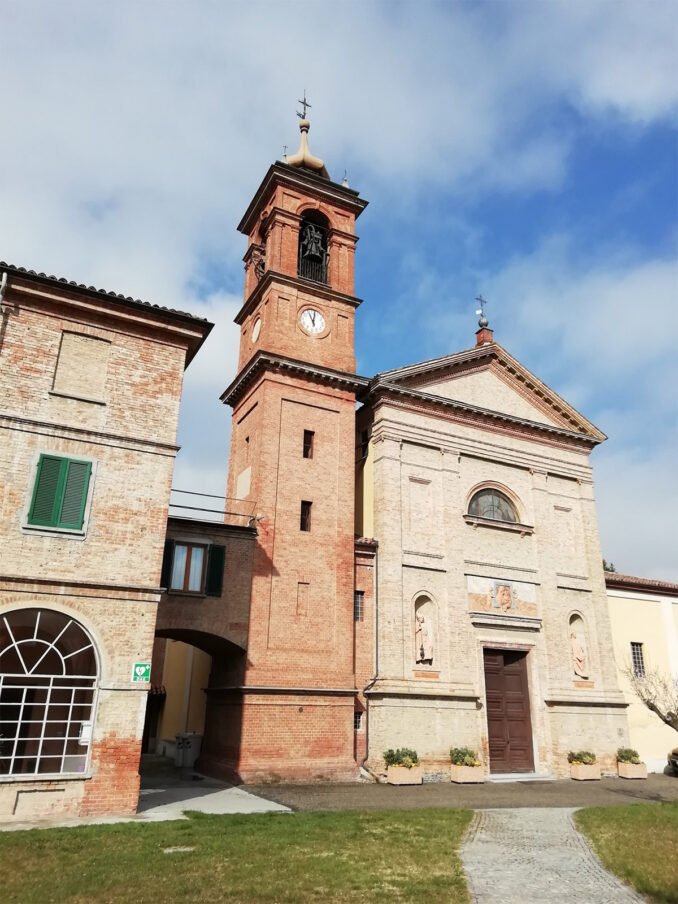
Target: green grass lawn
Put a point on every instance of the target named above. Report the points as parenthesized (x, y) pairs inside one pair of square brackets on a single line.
[(639, 843), (287, 858)]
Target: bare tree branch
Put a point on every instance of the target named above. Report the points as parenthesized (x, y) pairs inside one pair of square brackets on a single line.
[(657, 690)]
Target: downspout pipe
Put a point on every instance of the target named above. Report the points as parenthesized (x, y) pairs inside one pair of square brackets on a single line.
[(3, 286), (372, 680)]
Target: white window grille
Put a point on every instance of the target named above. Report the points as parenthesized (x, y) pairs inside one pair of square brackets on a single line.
[(357, 721), (637, 659), (48, 684), (358, 605)]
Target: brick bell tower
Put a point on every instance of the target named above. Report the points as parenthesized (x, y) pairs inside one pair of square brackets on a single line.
[(292, 458)]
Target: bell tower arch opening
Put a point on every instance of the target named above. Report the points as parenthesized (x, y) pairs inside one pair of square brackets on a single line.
[(313, 255)]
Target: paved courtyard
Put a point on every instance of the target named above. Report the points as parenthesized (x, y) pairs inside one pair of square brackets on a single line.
[(535, 855), (608, 792)]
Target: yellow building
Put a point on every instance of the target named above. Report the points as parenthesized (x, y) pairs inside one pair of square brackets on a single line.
[(644, 619)]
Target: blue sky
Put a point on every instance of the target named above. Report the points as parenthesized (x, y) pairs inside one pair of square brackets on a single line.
[(525, 150)]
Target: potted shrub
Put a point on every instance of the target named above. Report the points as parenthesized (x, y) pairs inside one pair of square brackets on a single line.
[(629, 765), (465, 766), (402, 767), (583, 766)]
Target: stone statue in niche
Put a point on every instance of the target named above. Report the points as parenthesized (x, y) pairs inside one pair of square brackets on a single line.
[(423, 638), (579, 656)]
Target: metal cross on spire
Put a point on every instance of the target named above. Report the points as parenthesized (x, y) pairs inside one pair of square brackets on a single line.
[(481, 311), (304, 103)]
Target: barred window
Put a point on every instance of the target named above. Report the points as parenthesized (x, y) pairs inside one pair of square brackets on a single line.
[(358, 605), (357, 721), (637, 660), (493, 505), (48, 678)]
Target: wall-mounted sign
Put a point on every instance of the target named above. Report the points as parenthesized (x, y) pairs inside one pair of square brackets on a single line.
[(141, 672)]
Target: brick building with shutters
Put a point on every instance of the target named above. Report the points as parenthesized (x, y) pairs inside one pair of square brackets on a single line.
[(90, 384)]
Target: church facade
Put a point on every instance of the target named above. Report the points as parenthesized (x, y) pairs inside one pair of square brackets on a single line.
[(428, 571), (494, 630)]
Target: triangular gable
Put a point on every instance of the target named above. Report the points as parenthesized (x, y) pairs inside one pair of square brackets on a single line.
[(489, 377)]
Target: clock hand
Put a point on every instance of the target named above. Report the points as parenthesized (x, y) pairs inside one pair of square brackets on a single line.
[(313, 318)]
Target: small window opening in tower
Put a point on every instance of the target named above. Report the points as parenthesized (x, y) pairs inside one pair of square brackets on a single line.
[(313, 252), (305, 518), (308, 443)]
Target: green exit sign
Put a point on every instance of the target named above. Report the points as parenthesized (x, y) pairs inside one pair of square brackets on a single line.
[(141, 672)]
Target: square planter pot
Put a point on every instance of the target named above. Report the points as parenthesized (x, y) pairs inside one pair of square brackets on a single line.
[(632, 770), (401, 775), (467, 774), (584, 773)]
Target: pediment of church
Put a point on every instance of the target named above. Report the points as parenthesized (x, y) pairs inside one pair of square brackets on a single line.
[(489, 377)]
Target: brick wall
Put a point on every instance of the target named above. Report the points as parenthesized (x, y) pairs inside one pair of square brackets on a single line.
[(83, 377)]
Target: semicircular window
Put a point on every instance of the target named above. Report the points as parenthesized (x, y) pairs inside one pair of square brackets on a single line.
[(48, 677), (493, 505)]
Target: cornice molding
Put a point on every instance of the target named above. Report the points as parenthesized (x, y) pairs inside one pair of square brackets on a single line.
[(264, 361), (93, 304), (318, 290), (86, 434), (506, 367), (463, 411), (305, 182)]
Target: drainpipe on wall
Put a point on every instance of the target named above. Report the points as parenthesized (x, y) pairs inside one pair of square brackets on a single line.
[(3, 286), (370, 683)]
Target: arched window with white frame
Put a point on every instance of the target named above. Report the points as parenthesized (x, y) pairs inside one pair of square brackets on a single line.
[(48, 683)]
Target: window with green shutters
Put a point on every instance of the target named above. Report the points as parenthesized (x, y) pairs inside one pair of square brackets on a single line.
[(60, 493)]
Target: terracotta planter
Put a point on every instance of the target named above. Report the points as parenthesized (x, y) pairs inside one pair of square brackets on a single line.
[(401, 775), (582, 773), (467, 774), (632, 770)]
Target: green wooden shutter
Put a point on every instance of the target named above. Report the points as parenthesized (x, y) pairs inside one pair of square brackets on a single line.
[(167, 558), (214, 579), (47, 491), (72, 512)]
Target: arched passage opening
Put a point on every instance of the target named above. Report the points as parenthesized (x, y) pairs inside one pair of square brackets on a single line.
[(180, 721)]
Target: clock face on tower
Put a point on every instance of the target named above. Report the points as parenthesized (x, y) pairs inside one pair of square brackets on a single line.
[(312, 321)]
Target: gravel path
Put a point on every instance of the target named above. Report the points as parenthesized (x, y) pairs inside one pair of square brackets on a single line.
[(533, 856)]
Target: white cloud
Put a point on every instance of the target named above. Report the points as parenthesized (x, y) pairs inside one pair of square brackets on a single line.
[(602, 334), (134, 135)]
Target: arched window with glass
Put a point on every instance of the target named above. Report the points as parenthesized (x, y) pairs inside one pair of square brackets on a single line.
[(48, 683), (493, 505)]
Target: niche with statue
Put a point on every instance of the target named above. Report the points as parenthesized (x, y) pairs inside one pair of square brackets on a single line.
[(424, 631), (579, 655)]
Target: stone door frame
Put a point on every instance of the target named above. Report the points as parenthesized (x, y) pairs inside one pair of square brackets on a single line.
[(530, 663)]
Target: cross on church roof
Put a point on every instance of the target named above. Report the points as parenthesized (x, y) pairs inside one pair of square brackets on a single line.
[(483, 322), (304, 103)]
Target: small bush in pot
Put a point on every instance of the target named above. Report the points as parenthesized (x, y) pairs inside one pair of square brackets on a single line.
[(629, 764), (465, 766), (402, 767), (583, 765)]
